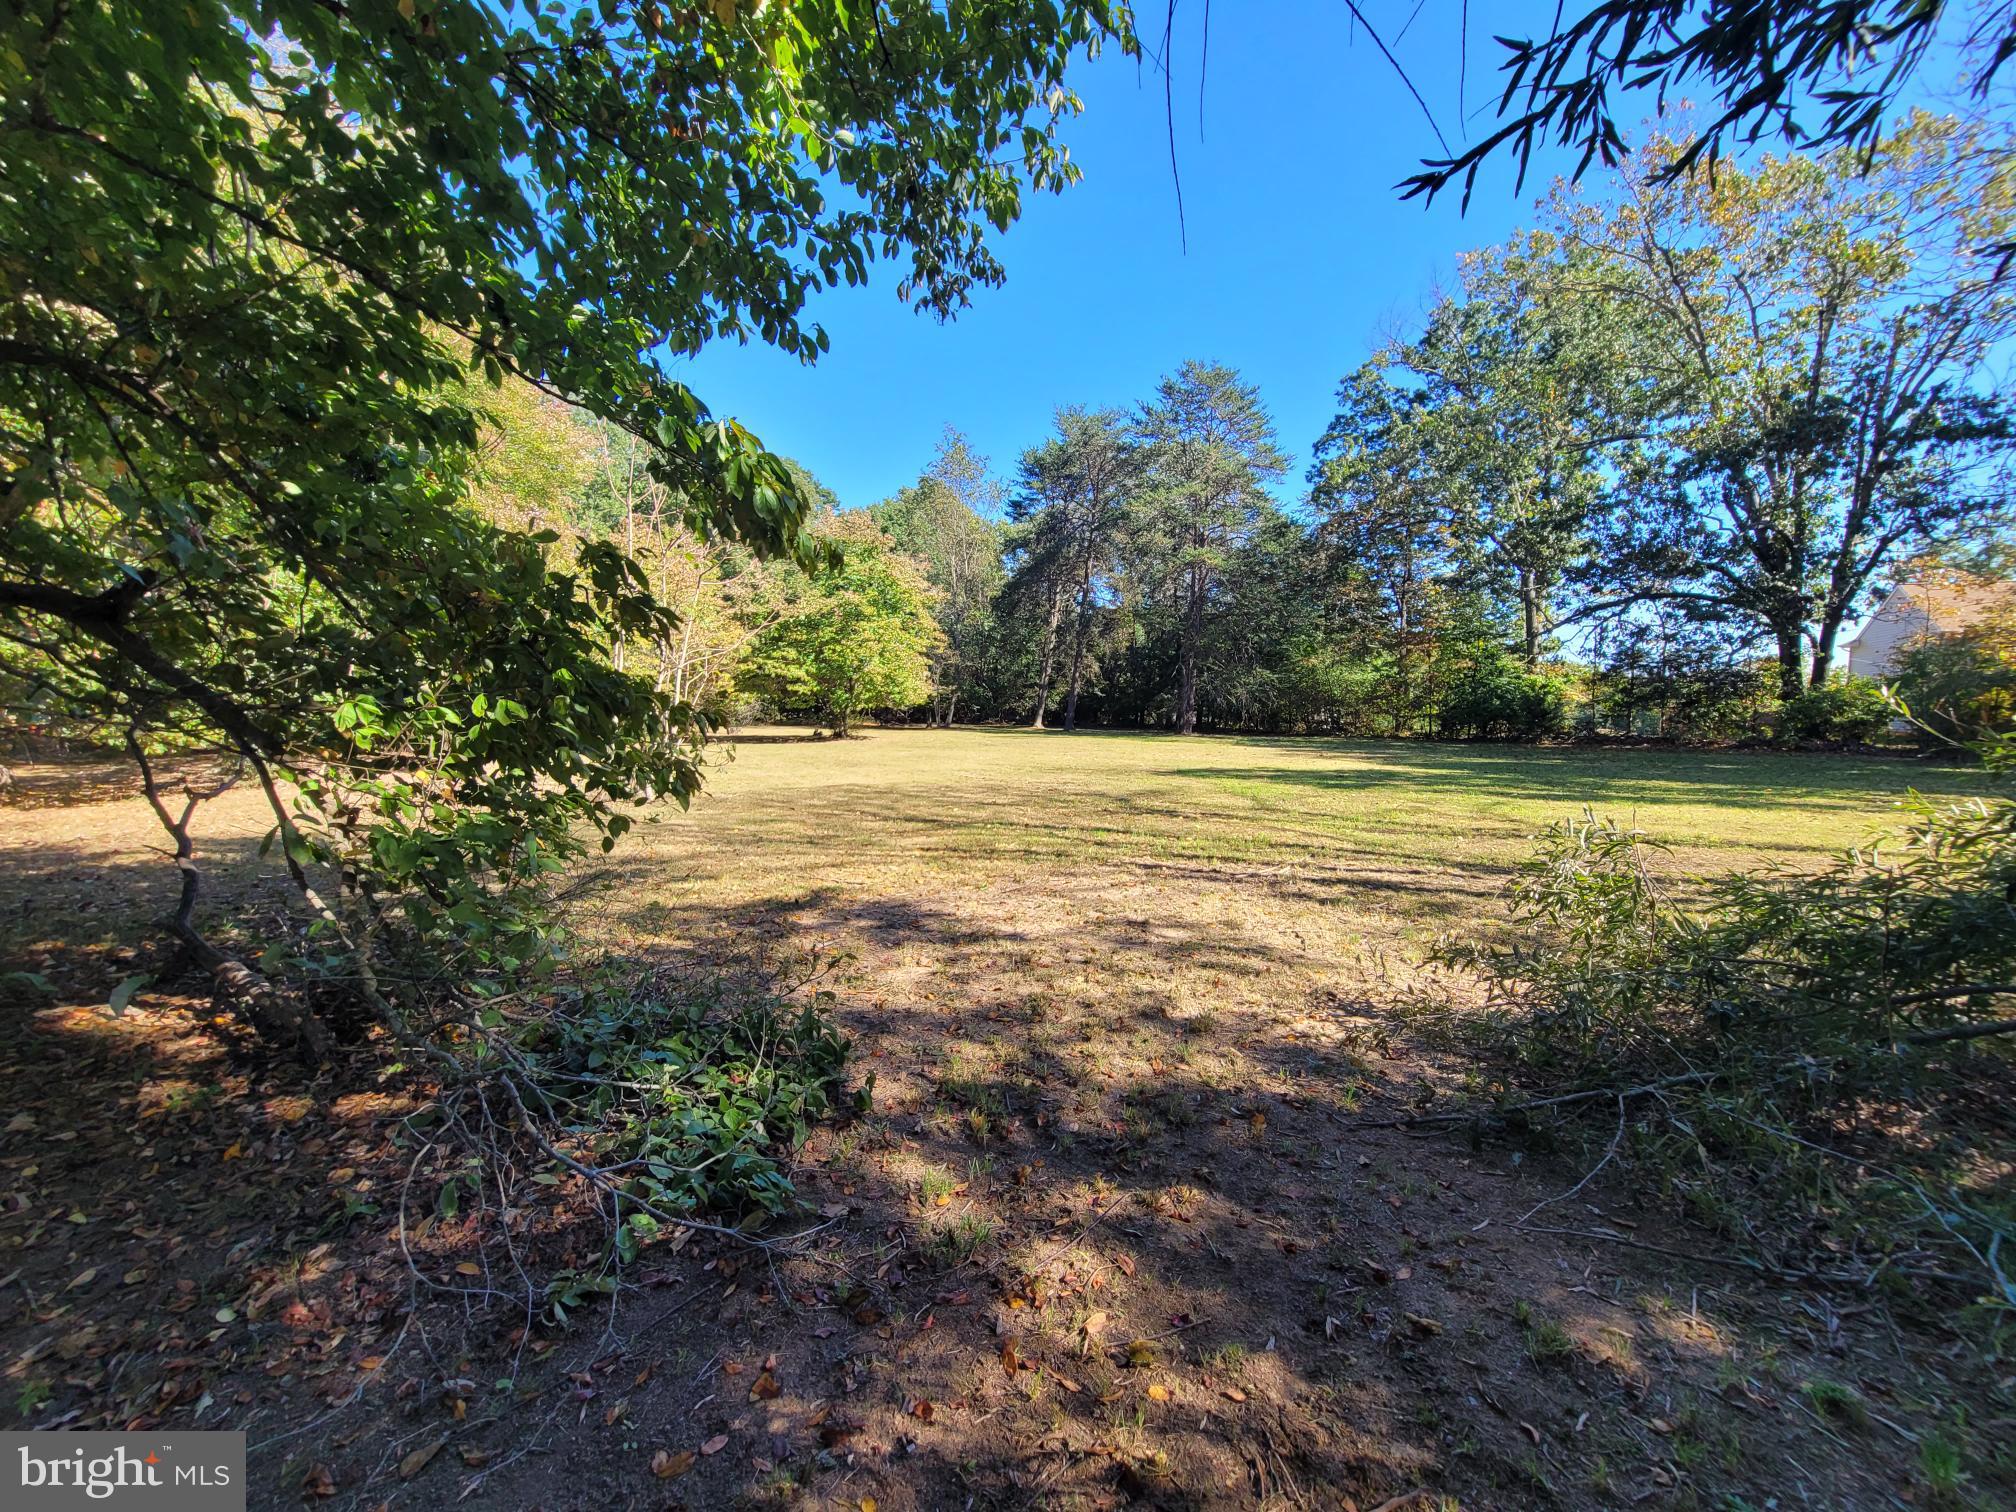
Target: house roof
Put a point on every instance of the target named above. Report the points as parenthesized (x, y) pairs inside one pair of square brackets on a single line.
[(1943, 605)]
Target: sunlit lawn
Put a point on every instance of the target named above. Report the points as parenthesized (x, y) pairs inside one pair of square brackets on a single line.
[(1149, 859)]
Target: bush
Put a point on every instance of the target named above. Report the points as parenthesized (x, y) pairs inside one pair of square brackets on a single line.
[(1499, 700), (1963, 686), (1848, 708), (1816, 1058)]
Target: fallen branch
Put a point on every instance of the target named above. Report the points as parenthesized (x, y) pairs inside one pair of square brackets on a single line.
[(1414, 1120), (1963, 1031)]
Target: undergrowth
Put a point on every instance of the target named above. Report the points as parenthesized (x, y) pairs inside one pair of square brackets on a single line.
[(1814, 1065), (652, 1106)]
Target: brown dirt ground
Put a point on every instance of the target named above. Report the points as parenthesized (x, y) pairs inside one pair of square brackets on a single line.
[(1111, 1236)]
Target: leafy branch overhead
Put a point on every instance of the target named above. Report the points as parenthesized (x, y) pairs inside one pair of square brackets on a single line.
[(1810, 74), (251, 256)]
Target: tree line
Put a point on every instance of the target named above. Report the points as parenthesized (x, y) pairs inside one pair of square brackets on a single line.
[(1639, 467)]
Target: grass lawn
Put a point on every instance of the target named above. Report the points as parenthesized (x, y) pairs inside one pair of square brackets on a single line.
[(1154, 860), (1114, 1232)]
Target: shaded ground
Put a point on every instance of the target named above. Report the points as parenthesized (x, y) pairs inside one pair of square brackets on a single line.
[(1110, 1237)]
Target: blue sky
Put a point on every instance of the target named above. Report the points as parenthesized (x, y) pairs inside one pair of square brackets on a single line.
[(1300, 255)]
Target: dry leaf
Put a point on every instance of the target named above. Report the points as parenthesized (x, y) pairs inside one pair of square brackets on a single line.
[(922, 1410), (1096, 1324), (469, 1268), (418, 1460), (765, 1388), (1010, 1360), (665, 1464), (319, 1482), (1158, 1392), (1125, 1262), (1234, 1394), (715, 1444)]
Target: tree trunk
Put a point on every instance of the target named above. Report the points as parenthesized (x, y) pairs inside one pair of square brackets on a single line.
[(1078, 631), (1047, 665), (1791, 660), (1823, 648), (1529, 608), (1193, 632)]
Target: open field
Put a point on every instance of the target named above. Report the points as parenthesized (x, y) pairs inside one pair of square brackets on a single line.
[(1112, 1234)]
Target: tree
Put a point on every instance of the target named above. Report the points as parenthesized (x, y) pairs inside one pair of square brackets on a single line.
[(1763, 65), (1829, 325), (244, 289), (1209, 446), (1382, 516), (946, 521), (855, 635), (1074, 501), (1526, 393)]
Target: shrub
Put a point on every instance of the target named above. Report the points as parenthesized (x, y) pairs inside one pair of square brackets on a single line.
[(1963, 686), (1499, 700), (1848, 708), (1757, 1032)]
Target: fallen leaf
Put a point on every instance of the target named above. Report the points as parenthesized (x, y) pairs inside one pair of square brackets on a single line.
[(1095, 1325), (666, 1465), (1125, 1262), (419, 1459), (1234, 1394), (319, 1482), (765, 1388), (1158, 1392), (922, 1410), (1010, 1360), (715, 1444), (468, 1268)]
